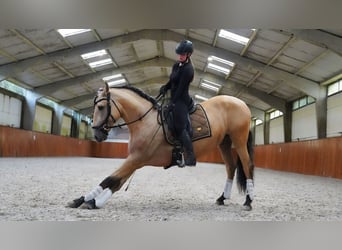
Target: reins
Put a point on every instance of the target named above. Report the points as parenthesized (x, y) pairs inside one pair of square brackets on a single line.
[(109, 113)]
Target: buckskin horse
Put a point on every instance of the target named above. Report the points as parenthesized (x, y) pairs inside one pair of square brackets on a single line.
[(229, 120)]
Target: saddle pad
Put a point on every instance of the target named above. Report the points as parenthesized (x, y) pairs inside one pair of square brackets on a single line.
[(200, 126)]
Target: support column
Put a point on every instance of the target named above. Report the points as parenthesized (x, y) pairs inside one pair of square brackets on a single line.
[(288, 122), (29, 109), (75, 126), (321, 113), (57, 119), (267, 128)]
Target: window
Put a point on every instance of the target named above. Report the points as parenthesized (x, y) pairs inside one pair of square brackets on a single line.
[(10, 111), (43, 119), (12, 87), (11, 104), (66, 125), (276, 113), (335, 87), (83, 130), (258, 122), (304, 101)]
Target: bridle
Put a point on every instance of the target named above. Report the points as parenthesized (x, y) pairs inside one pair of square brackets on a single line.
[(104, 127)]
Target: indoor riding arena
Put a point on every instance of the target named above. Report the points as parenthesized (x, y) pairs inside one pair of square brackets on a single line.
[(50, 80)]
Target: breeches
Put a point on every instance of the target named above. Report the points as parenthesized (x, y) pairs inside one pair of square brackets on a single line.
[(180, 116)]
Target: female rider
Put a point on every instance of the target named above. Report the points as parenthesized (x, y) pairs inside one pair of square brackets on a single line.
[(180, 78)]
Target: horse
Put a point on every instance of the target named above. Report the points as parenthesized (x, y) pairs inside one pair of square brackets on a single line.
[(229, 119)]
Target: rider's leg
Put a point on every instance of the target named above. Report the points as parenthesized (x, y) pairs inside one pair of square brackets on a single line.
[(190, 158), (180, 123)]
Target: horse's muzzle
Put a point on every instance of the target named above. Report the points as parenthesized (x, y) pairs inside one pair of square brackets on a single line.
[(100, 134)]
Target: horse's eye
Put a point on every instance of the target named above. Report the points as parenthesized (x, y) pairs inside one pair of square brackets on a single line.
[(100, 108)]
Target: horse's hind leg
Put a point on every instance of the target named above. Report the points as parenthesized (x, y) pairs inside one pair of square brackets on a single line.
[(226, 153), (245, 168)]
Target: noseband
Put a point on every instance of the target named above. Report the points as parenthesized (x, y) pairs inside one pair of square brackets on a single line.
[(104, 125)]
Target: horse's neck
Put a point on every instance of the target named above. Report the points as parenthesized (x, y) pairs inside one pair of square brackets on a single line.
[(132, 106)]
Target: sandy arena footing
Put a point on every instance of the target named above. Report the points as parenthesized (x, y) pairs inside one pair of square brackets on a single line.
[(37, 189)]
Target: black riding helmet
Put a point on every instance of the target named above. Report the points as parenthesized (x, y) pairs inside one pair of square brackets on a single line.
[(184, 47)]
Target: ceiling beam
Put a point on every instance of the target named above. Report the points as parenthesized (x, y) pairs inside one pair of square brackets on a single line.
[(55, 86), (319, 37), (87, 111), (273, 101), (292, 80), (257, 113), (76, 100)]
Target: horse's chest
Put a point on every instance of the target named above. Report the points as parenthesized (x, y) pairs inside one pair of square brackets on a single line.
[(138, 143)]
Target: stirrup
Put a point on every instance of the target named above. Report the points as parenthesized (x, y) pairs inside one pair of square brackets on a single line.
[(181, 162)]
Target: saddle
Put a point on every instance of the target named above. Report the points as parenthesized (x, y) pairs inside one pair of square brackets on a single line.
[(198, 128)]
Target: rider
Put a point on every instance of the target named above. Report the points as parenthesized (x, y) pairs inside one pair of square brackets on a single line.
[(180, 78)]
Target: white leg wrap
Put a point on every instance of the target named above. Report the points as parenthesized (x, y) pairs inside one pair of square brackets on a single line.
[(101, 200), (250, 188), (227, 188), (93, 193)]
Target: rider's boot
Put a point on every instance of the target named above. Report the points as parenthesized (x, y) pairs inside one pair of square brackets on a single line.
[(190, 158)]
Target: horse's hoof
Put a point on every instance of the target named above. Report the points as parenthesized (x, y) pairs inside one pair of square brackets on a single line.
[(76, 203), (247, 207), (220, 200), (89, 205)]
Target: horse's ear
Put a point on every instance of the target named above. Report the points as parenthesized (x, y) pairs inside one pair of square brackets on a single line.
[(107, 87)]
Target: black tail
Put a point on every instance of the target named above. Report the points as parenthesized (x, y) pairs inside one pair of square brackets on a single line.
[(241, 177)]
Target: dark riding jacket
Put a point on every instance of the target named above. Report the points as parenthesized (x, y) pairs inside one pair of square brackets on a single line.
[(181, 76)]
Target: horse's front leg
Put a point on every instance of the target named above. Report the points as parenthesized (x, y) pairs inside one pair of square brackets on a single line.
[(98, 197)]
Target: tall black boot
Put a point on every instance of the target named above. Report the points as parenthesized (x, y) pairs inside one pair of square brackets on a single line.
[(190, 158)]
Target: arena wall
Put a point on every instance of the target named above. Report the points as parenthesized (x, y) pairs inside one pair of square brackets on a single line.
[(321, 157)]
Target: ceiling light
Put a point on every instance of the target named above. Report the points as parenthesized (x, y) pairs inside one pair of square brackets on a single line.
[(218, 68), (218, 59), (71, 32), (210, 85), (94, 54), (199, 97), (107, 78), (100, 63), (233, 37), (117, 82)]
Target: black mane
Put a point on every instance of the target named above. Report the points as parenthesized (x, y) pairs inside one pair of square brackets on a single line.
[(139, 92)]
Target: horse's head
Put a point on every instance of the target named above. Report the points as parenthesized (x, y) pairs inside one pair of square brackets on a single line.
[(103, 118)]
